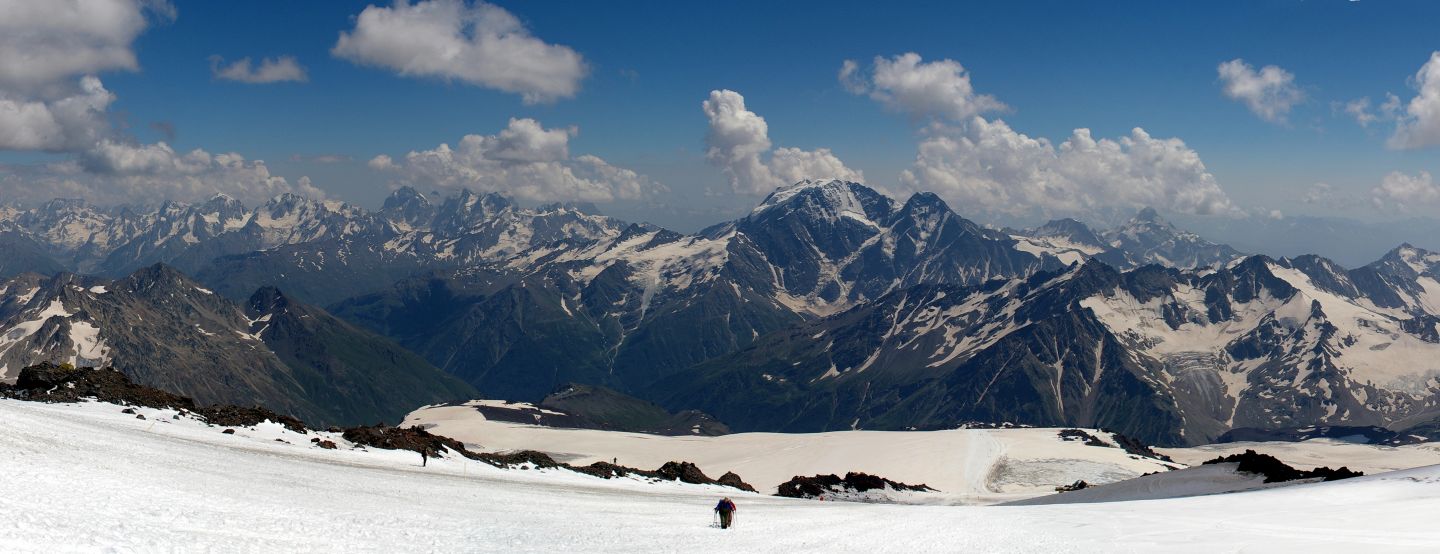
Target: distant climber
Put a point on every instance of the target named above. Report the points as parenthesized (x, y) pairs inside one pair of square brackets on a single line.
[(726, 509), (425, 456)]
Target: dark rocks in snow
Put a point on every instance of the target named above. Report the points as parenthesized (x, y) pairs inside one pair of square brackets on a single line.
[(1078, 435), (1132, 446), (413, 438), (730, 479), (235, 416), (228, 432), (128, 411), (1078, 485), (819, 485), (139, 416), (1135, 447), (522, 458), (48, 382), (1276, 471), (684, 472)]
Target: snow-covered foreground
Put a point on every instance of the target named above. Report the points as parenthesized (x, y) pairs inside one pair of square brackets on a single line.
[(970, 466), (88, 478)]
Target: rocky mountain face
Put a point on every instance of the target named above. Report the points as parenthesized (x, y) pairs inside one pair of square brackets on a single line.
[(1170, 356), (629, 310), (167, 331), (1145, 239)]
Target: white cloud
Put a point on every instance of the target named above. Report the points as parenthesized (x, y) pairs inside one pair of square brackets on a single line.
[(921, 89), (45, 42), (51, 100), (1419, 125), (69, 118), (738, 142), (525, 160), (1269, 93), (1400, 192), (1360, 110), (270, 70), (987, 166), (114, 172), (49, 53), (1320, 193), (478, 43)]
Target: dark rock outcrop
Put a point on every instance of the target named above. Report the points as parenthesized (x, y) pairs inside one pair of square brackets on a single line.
[(48, 382), (684, 472), (1276, 471), (853, 482), (1078, 435)]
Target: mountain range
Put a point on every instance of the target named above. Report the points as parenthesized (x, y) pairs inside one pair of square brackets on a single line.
[(829, 306)]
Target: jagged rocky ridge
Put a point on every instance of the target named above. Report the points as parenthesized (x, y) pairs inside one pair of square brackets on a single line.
[(1168, 356), (629, 310), (166, 331), (1145, 239)]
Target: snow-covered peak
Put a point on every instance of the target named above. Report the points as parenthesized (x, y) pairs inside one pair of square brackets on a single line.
[(832, 192), (1418, 260)]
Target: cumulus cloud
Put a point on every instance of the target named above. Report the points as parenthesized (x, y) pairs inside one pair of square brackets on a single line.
[(738, 142), (51, 100), (116, 172), (525, 160), (1269, 92), (477, 43), (270, 70), (987, 166), (1419, 125), (1359, 109), (1322, 194), (45, 42), (69, 118), (905, 83), (1400, 192)]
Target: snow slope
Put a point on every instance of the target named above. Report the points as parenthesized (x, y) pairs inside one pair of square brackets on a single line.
[(1309, 454), (966, 465), (86, 478), (1194, 481)]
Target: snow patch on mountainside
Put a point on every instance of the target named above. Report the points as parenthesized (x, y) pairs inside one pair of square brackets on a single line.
[(1066, 251)]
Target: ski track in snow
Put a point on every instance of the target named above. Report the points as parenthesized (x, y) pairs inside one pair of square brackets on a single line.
[(86, 478)]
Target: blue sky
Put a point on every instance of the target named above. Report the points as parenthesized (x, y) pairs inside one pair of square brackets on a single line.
[(1056, 66)]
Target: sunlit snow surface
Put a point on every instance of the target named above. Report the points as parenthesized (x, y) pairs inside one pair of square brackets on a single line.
[(87, 478), (967, 466)]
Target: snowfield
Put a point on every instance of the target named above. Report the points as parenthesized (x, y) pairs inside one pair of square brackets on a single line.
[(88, 478), (967, 466), (1312, 453)]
